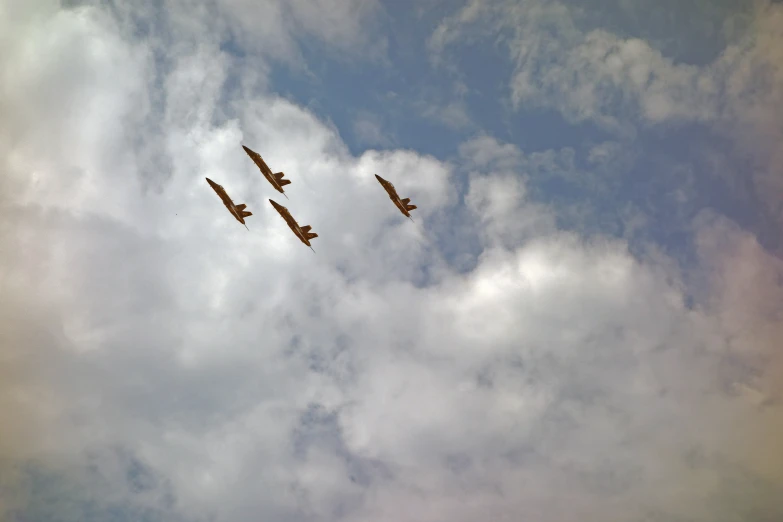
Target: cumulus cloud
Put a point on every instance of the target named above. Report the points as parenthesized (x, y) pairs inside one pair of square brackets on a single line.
[(161, 361), (499, 203)]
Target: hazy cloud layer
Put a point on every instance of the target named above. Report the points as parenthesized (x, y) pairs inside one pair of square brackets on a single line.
[(563, 59), (160, 362)]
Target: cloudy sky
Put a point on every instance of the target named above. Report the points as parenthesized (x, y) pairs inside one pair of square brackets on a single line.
[(584, 322)]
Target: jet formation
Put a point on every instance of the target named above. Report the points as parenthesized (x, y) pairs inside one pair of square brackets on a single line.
[(278, 181)]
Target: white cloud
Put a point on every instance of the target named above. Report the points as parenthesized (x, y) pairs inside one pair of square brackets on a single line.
[(497, 194), (255, 379)]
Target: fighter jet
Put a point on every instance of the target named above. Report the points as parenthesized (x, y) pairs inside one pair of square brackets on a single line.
[(238, 211), (275, 179), (401, 204), (303, 233)]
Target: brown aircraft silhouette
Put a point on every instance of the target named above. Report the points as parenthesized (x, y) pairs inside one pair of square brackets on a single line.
[(275, 179), (401, 204), (303, 233), (238, 211)]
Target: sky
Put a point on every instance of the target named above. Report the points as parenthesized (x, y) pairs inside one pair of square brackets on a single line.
[(583, 321)]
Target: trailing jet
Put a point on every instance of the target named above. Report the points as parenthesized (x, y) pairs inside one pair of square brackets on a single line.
[(275, 179), (402, 204), (238, 211), (303, 233)]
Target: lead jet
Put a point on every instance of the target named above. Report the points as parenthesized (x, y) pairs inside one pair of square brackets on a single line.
[(402, 204), (275, 179), (303, 233), (238, 211)]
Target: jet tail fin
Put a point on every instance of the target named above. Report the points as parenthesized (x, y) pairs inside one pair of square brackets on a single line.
[(241, 210), (410, 207), (306, 232), (279, 179), (406, 201)]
